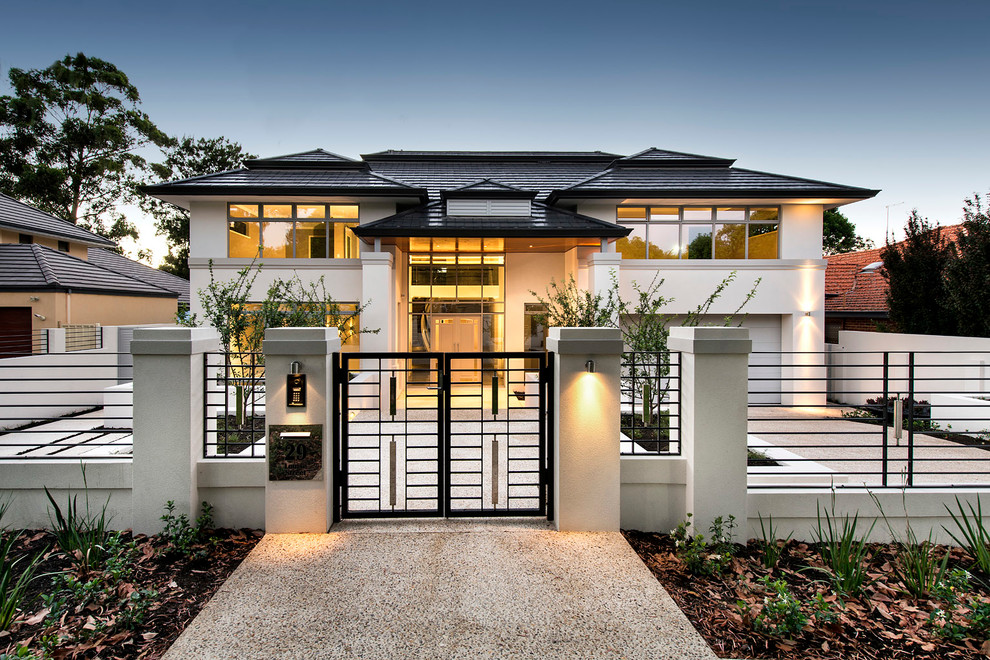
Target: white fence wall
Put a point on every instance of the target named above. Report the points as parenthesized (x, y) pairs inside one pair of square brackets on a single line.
[(949, 365)]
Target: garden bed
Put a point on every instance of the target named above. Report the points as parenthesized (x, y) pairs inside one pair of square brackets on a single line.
[(133, 606), (744, 610)]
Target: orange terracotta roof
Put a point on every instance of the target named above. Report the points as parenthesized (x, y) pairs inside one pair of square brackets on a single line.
[(848, 288)]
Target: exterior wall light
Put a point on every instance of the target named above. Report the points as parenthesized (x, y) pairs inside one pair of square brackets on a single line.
[(589, 366), (295, 384), (807, 313)]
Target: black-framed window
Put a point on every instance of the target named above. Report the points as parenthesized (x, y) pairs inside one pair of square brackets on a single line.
[(63, 246), (292, 231), (699, 232), (25, 239)]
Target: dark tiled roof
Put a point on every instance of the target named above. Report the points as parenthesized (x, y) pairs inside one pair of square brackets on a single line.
[(654, 157), (20, 217), (703, 181), (545, 221), (35, 268), (139, 271), (489, 188), (316, 157), (399, 154), (551, 175), (288, 182)]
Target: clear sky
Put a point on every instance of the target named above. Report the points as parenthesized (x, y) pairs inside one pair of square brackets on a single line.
[(879, 94)]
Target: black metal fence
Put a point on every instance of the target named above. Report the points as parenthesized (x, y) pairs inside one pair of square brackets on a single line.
[(65, 406), (234, 405), (650, 403), (875, 419), (24, 343)]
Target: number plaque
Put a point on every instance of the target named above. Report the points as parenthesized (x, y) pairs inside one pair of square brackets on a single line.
[(295, 452)]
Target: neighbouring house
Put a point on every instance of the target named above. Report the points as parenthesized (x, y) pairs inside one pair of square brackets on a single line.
[(856, 291), (56, 274), (446, 247)]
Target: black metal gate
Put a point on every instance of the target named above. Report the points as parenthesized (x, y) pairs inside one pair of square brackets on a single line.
[(435, 434)]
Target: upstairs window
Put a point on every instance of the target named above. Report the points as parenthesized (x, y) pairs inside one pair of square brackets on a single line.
[(687, 232), (292, 231), (63, 246), (25, 239)]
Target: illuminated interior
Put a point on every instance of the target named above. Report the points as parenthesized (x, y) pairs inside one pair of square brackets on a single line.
[(456, 295), (292, 231), (733, 232)]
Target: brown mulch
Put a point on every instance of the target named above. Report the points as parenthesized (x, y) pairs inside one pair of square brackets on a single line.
[(95, 630), (885, 622)]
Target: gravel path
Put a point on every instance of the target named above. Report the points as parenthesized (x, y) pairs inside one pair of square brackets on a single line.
[(442, 589)]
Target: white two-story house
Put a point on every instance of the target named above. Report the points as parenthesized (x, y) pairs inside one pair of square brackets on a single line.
[(445, 247)]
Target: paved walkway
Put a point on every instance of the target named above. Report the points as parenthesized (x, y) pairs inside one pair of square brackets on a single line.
[(444, 589)]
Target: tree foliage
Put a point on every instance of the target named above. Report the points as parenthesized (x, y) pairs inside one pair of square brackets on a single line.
[(187, 157), (839, 234), (69, 141), (967, 276), (918, 295)]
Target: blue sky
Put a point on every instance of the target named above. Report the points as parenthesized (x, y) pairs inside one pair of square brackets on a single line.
[(889, 95)]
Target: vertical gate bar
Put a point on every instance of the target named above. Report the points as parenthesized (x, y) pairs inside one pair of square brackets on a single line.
[(910, 461), (344, 429), (669, 355), (391, 472), (495, 393), (335, 422), (391, 395), (495, 472), (547, 412), (206, 402), (443, 438), (886, 396)]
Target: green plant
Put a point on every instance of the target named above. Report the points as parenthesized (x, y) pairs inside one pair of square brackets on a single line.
[(138, 604), (182, 538), (823, 610), (19, 652), (916, 563), (14, 581), (770, 547), (80, 534), (701, 556), (843, 550), (974, 536), (781, 614)]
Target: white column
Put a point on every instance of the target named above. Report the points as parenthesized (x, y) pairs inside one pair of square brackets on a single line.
[(803, 374), (378, 296), (168, 420), (713, 420), (300, 506), (586, 428), (603, 270)]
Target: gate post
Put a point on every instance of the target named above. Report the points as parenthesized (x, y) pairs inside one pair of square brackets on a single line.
[(299, 496), (168, 421), (586, 428), (714, 396)]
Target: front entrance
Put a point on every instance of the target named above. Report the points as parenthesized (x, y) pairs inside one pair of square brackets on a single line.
[(443, 434), (459, 334)]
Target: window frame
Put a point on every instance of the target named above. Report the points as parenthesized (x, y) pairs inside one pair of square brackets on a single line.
[(712, 222), (327, 220)]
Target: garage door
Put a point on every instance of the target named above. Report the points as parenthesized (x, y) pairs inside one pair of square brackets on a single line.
[(764, 362), (15, 331)]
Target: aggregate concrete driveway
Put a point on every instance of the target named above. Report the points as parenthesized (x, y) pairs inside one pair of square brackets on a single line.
[(444, 589)]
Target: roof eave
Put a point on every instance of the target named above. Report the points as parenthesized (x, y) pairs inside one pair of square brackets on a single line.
[(419, 232), (59, 236), (852, 194), (158, 190)]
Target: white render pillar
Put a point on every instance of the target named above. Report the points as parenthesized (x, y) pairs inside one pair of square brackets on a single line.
[(303, 506), (378, 296), (714, 377), (168, 420), (603, 269), (586, 428), (803, 373)]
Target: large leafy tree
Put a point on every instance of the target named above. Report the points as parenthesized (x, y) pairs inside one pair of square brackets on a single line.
[(69, 141), (918, 295), (968, 275), (188, 157), (839, 234)]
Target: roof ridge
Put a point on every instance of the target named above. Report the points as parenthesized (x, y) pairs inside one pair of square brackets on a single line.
[(390, 179), (66, 255), (46, 268), (50, 215)]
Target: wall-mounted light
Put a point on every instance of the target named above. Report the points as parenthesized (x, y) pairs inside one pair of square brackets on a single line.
[(589, 366), (807, 313), (34, 299), (40, 317), (295, 384)]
